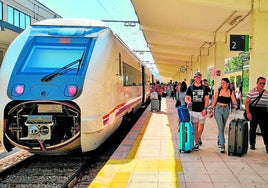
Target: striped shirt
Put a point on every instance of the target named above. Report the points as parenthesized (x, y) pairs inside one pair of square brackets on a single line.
[(254, 93)]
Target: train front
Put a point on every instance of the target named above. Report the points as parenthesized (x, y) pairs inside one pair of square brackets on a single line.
[(43, 72)]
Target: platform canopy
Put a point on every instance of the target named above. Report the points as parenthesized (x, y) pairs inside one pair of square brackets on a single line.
[(177, 30)]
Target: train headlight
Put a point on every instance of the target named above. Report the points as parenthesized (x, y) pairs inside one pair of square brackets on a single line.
[(70, 90), (18, 90)]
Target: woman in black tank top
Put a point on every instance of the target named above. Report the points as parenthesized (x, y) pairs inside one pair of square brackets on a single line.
[(220, 105)]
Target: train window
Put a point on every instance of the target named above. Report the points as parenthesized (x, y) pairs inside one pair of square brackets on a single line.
[(54, 58), (147, 79), (45, 55), (131, 75), (120, 64)]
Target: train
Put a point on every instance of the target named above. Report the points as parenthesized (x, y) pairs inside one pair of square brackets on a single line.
[(66, 85)]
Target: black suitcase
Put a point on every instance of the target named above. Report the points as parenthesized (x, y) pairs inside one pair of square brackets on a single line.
[(238, 137)]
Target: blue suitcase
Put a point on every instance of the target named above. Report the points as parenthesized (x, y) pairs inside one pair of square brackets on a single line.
[(186, 137)]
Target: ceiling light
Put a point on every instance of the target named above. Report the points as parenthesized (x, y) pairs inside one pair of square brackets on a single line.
[(234, 21)]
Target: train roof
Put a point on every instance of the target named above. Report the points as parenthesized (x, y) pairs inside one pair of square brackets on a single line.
[(70, 22)]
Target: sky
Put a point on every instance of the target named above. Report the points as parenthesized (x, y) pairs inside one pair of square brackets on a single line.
[(121, 10)]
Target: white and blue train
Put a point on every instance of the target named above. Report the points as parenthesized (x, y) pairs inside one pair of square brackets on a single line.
[(67, 84)]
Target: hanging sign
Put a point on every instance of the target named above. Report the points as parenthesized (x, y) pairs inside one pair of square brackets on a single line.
[(239, 42)]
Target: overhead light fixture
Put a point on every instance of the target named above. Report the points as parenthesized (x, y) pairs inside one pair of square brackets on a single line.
[(234, 21)]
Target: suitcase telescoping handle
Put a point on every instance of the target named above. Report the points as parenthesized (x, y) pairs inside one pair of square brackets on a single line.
[(237, 114)]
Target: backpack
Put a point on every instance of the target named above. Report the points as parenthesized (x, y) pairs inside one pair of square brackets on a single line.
[(203, 86)]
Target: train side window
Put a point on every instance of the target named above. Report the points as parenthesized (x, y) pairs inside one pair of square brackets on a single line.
[(147, 78), (120, 64), (131, 76)]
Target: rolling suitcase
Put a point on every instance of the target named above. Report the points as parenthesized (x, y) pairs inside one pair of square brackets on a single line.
[(238, 137), (155, 105), (186, 137)]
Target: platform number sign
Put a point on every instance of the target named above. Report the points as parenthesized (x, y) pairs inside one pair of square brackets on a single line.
[(239, 42)]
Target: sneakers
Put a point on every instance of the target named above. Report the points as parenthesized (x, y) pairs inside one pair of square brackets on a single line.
[(200, 141), (252, 147), (222, 148), (196, 147)]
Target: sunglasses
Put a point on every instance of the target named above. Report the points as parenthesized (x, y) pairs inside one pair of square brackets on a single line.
[(262, 83)]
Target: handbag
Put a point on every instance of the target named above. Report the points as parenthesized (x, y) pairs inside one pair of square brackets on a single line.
[(251, 107)]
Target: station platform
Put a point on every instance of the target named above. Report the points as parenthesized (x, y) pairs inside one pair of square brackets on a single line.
[(149, 158)]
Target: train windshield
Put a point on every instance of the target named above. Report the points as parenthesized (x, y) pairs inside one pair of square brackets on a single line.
[(44, 55)]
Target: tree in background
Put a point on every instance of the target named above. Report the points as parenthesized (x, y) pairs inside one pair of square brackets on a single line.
[(233, 64), (237, 67)]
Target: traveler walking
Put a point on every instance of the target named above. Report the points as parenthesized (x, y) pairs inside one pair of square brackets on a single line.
[(197, 97), (256, 109), (182, 93), (221, 104)]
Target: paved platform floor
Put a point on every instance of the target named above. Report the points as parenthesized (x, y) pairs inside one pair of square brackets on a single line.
[(149, 158)]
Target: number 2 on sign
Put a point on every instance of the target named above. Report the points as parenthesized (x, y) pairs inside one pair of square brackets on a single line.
[(233, 45)]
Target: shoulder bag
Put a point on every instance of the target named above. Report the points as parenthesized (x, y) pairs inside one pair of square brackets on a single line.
[(251, 107)]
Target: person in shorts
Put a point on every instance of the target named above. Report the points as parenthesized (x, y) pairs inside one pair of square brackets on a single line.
[(197, 98)]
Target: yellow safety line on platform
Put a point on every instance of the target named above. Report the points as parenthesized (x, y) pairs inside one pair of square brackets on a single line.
[(124, 173)]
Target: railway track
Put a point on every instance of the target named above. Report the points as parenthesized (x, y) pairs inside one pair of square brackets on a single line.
[(73, 170), (45, 171)]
